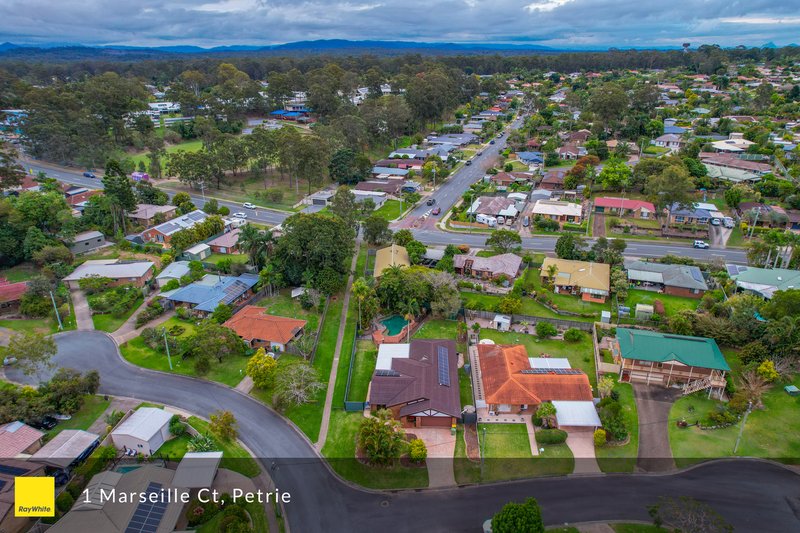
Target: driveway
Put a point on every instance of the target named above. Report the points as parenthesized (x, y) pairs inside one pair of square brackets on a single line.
[(581, 444), (752, 495), (83, 315), (598, 225), (719, 235), (653, 403), (441, 444)]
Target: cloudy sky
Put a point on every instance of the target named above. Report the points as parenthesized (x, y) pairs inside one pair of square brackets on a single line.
[(560, 23)]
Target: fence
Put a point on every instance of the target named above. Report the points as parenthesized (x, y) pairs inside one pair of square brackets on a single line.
[(557, 322), (351, 406), (319, 329)]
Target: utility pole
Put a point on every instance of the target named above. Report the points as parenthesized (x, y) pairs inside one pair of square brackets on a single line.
[(741, 427), (166, 345), (55, 308), (753, 225)]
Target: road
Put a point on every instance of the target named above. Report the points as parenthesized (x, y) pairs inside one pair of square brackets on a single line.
[(752, 495)]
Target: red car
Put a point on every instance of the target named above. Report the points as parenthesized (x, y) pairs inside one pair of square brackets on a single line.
[(436, 211)]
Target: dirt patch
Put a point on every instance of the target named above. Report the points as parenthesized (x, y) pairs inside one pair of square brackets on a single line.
[(471, 441)]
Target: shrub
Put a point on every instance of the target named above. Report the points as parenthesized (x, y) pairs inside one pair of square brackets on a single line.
[(75, 488), (754, 352), (113, 418), (64, 502), (658, 307), (722, 416), (573, 335), (599, 437), (199, 513), (176, 426), (417, 451), (767, 371), (551, 436), (545, 329)]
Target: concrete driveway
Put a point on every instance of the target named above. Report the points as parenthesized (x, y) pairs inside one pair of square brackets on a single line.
[(653, 403), (83, 315), (581, 444), (441, 444)]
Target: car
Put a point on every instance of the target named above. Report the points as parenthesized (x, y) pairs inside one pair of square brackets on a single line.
[(479, 154), (700, 244), (509, 221), (491, 142), (430, 201), (89, 175), (45, 423), (728, 222), (248, 205), (436, 211), (526, 221), (715, 222), (468, 163), (239, 215)]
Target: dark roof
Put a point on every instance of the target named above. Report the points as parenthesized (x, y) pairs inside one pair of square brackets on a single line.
[(683, 276), (418, 379)]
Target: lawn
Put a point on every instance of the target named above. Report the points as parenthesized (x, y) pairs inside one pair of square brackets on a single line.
[(21, 272), (489, 302), (390, 210), (43, 326), (736, 240), (111, 323), (344, 359), (174, 449), (364, 365), (234, 457), (638, 528), (188, 146), (567, 302), (507, 455), (672, 304), (622, 458), (519, 166), (257, 516), (580, 354), (772, 433), (135, 351), (235, 258), (282, 304), (340, 451), (440, 329), (93, 406)]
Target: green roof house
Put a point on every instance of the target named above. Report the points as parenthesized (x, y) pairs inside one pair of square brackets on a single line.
[(693, 363), (764, 281)]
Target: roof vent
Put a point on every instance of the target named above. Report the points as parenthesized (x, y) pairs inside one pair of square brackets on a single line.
[(780, 278)]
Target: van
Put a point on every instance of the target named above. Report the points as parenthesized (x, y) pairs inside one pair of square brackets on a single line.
[(509, 221), (526, 221)]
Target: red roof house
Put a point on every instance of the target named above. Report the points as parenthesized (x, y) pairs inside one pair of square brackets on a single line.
[(624, 206), (258, 329)]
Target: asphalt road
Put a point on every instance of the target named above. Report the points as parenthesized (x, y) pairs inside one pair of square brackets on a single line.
[(752, 495)]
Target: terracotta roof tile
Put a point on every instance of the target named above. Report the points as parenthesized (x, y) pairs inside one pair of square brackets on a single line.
[(251, 323)]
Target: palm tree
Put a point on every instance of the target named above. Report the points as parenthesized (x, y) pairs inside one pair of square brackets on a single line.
[(552, 270), (256, 243), (270, 278), (360, 290), (411, 308)]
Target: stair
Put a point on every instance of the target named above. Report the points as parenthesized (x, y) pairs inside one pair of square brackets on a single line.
[(696, 385)]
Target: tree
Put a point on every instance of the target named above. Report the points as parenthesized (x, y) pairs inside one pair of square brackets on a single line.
[(734, 195), (605, 386), (608, 102), (569, 246), (343, 205), (270, 279), (376, 230), (11, 173), (519, 518), (545, 330), (783, 303), (672, 186), (402, 237), (416, 251), (445, 298), (381, 438), (616, 175), (346, 167), (255, 243), (753, 385), (689, 516), (504, 241), (214, 339), (261, 368), (304, 345), (34, 353), (223, 424), (221, 313), (547, 412), (297, 384), (417, 451)]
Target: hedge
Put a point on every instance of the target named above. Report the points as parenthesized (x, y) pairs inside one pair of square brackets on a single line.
[(551, 436)]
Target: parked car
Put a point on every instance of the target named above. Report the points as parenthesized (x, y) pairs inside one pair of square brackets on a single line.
[(715, 222), (700, 244), (239, 215), (430, 201), (436, 211), (248, 205), (728, 222), (479, 154), (509, 221), (468, 163), (44, 423), (491, 142), (89, 175), (526, 221)]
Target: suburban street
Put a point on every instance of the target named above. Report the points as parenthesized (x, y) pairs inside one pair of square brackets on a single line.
[(751, 495)]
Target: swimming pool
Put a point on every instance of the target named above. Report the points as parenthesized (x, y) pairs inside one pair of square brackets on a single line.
[(394, 324), (124, 469)]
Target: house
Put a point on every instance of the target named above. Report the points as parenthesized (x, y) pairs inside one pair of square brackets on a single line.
[(418, 383), (87, 241), (732, 168), (148, 511), (261, 330), (689, 215), (558, 211), (578, 137), (144, 431), (227, 243), (512, 384), (390, 256), (174, 270), (763, 281), (456, 139), (198, 252), (530, 158), (10, 470), (11, 293), (76, 195), (205, 295), (553, 181), (146, 214), (68, 448), (736, 143), (378, 198), (385, 172), (652, 357), (624, 207), (389, 186), (18, 439), (508, 178), (320, 199), (162, 233), (120, 272), (590, 280), (399, 162), (494, 206), (571, 151), (487, 267), (669, 140), (677, 280)]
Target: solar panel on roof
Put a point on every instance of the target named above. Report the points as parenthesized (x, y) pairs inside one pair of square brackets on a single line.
[(13, 470), (387, 373), (147, 516), (444, 366)]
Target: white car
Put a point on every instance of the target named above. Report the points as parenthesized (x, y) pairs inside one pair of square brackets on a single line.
[(239, 215), (248, 205)]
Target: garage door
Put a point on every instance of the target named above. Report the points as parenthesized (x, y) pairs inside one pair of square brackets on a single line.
[(437, 421), (319, 202)]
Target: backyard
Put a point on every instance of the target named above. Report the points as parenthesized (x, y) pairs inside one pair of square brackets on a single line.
[(235, 258), (622, 458), (566, 302), (672, 304), (282, 304), (489, 302), (21, 272)]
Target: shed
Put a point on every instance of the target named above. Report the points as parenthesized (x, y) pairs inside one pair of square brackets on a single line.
[(67, 448), (144, 432), (175, 270), (644, 312), (197, 470), (87, 241), (605, 317), (198, 252), (502, 322), (576, 414)]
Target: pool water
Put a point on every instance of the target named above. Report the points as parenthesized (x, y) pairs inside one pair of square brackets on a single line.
[(124, 469), (394, 324)]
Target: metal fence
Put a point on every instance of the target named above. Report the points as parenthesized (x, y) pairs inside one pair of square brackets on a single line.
[(558, 322)]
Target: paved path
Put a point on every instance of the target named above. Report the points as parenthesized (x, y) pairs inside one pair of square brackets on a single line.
[(531, 435), (129, 330), (326, 411), (581, 444), (246, 385), (752, 495), (653, 403), (83, 315), (5, 336), (117, 404), (441, 444), (598, 225)]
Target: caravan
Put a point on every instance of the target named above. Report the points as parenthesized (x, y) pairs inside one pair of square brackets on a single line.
[(486, 219)]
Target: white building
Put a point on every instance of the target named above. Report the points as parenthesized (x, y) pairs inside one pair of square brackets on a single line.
[(144, 431)]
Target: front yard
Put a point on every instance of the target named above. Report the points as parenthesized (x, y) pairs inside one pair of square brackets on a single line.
[(390, 210), (93, 406), (110, 323), (622, 458)]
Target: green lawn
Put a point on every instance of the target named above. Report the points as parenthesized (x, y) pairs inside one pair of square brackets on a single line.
[(580, 354), (344, 358), (736, 240), (32, 325), (440, 329), (507, 455), (622, 458), (390, 210), (234, 457), (638, 528), (21, 272), (340, 450), (188, 146), (93, 406), (235, 258), (111, 323), (135, 351), (772, 433), (489, 302), (364, 365), (282, 304), (175, 448), (672, 304), (566, 302), (519, 166), (257, 516)]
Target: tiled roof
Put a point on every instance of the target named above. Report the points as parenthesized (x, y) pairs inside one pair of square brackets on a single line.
[(11, 292), (251, 323), (16, 437), (507, 264), (624, 203)]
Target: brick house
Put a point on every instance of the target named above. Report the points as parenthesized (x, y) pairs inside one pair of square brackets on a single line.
[(163, 233), (271, 332), (677, 280), (487, 267), (624, 207)]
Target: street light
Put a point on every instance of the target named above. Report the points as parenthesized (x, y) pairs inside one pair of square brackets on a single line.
[(166, 345)]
